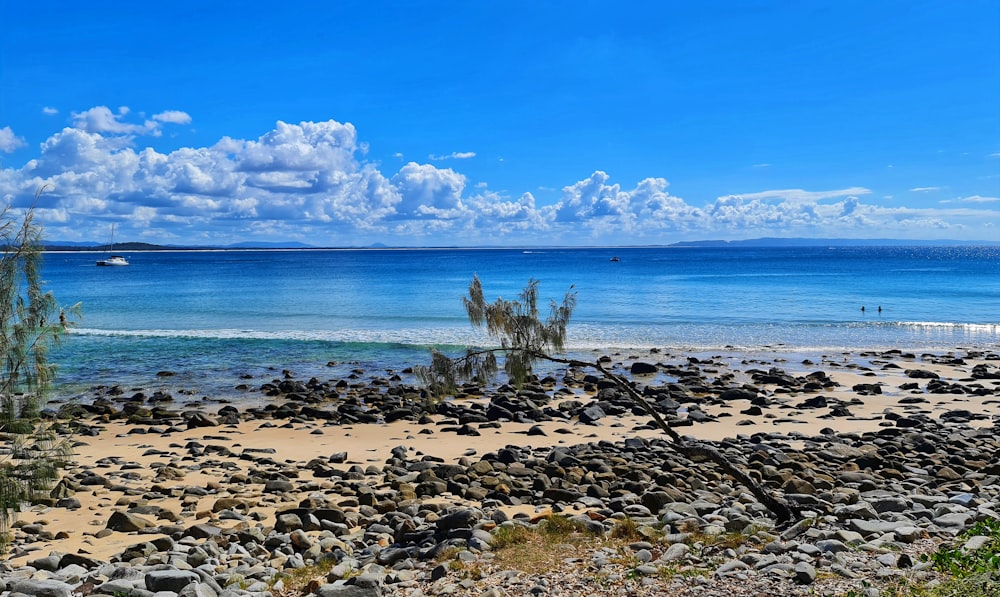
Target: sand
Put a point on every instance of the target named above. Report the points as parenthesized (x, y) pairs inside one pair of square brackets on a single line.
[(144, 454)]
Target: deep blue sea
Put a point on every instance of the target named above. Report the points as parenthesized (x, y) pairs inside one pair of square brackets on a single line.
[(212, 317)]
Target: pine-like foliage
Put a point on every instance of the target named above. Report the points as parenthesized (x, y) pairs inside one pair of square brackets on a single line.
[(31, 453), (516, 325)]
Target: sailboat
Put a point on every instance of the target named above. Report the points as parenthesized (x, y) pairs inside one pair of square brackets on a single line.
[(112, 259)]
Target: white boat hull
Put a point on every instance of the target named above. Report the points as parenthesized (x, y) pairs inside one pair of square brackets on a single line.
[(114, 260)]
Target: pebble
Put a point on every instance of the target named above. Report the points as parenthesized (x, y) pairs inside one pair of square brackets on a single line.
[(872, 500)]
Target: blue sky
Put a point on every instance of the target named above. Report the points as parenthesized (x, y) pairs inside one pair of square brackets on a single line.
[(474, 123)]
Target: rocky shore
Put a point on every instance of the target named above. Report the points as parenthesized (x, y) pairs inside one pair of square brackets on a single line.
[(366, 487)]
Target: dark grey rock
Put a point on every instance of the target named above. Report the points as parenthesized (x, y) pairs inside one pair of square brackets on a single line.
[(41, 588), (641, 368), (169, 580), (804, 573)]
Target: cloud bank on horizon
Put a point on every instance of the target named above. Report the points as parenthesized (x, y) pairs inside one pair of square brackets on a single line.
[(310, 182)]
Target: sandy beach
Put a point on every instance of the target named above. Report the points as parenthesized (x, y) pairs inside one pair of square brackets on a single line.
[(157, 463)]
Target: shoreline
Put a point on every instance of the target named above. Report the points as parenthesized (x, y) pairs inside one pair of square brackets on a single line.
[(186, 457), (198, 379)]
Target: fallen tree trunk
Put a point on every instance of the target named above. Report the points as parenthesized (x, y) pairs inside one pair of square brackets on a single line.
[(696, 450)]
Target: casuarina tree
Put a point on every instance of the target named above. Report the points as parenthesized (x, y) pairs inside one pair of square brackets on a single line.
[(525, 338), (31, 452)]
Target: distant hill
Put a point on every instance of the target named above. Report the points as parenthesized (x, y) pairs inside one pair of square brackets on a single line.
[(754, 242), (119, 247), (126, 247), (828, 242)]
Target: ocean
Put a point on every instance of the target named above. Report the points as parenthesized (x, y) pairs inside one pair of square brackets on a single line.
[(215, 319)]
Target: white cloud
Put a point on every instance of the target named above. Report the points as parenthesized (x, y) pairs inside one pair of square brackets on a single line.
[(429, 191), (801, 196), (591, 198), (49, 111), (306, 148), (173, 116), (10, 142), (309, 182), (924, 189), (455, 155), (973, 199), (100, 119)]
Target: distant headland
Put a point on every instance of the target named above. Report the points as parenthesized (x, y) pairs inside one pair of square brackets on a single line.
[(755, 242)]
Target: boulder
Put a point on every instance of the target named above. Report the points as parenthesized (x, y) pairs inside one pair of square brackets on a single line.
[(123, 522)]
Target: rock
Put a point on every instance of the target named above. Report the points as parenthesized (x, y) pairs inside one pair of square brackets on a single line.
[(953, 520), (868, 389), (656, 500), (641, 368), (278, 486), (365, 585), (198, 419), (169, 580), (300, 540), (730, 567), (70, 503), (804, 573), (908, 534), (333, 590), (459, 519), (676, 552), (874, 527), (592, 414), (73, 559), (202, 531), (40, 588), (831, 546), (123, 522), (230, 503)]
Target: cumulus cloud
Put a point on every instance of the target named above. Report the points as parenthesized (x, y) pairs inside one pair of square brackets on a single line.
[(10, 142), (427, 191), (310, 182), (49, 111), (101, 119)]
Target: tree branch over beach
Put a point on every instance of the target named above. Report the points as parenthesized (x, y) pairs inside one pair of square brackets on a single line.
[(525, 338), (31, 452)]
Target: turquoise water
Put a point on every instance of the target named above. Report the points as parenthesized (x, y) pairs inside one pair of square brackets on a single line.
[(211, 317)]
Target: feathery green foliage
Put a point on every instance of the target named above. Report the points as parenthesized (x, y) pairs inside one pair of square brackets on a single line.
[(523, 337), (31, 453)]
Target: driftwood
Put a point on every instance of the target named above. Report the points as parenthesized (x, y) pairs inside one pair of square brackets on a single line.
[(694, 450)]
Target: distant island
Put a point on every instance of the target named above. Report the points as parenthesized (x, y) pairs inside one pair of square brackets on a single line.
[(755, 242), (831, 242), (126, 247)]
